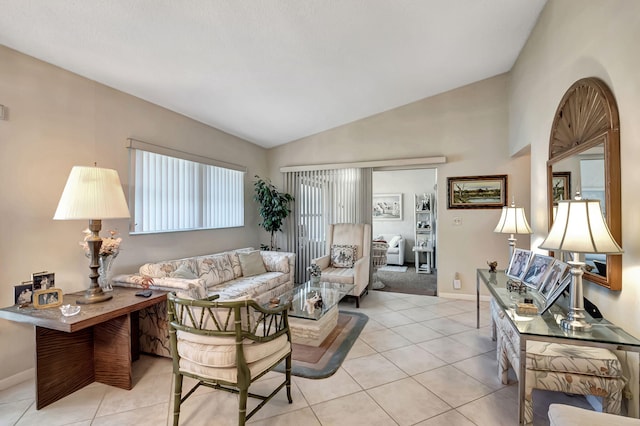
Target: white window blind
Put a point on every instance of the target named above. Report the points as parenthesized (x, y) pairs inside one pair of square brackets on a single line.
[(171, 194)]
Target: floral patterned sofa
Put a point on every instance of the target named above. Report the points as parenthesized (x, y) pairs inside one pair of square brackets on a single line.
[(241, 273)]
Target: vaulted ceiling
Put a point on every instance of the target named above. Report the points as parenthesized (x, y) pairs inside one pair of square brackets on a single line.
[(274, 71)]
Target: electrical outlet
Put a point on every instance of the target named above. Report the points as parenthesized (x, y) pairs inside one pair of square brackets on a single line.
[(457, 221), (457, 284)]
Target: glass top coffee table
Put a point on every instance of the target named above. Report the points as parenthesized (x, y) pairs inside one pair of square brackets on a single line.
[(310, 321)]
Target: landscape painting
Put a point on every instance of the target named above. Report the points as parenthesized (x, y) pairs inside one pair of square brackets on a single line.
[(477, 192)]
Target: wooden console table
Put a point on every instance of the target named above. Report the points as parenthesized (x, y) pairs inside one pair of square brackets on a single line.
[(97, 345)]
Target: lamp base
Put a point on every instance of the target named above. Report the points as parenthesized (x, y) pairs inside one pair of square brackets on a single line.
[(92, 296), (574, 324)]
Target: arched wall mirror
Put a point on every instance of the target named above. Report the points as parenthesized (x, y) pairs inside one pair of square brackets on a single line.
[(584, 155)]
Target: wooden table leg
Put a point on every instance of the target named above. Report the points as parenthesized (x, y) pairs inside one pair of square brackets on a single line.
[(64, 363), (112, 352)]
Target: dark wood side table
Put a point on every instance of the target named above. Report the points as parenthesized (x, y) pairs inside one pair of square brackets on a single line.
[(97, 345)]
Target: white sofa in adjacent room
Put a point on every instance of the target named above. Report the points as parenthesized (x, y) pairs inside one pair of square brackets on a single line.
[(395, 252)]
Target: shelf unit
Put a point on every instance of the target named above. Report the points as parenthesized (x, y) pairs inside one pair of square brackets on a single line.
[(424, 231)]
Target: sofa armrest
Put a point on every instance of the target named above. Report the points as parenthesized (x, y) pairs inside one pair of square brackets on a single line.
[(194, 288)]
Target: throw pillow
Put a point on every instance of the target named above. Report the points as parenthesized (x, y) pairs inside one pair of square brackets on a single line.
[(251, 263), (183, 271), (393, 242), (343, 255)]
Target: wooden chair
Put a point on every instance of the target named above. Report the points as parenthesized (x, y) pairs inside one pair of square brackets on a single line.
[(227, 346)]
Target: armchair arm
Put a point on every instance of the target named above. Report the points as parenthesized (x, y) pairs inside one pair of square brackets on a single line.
[(322, 262), (401, 250), (361, 274)]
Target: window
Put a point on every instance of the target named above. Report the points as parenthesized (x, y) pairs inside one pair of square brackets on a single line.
[(175, 191)]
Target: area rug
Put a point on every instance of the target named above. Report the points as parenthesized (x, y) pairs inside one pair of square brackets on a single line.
[(389, 268), (319, 362), (408, 282)]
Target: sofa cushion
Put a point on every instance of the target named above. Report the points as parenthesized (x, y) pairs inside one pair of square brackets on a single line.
[(251, 287), (164, 269), (184, 271), (275, 262), (251, 264), (343, 255), (215, 269)]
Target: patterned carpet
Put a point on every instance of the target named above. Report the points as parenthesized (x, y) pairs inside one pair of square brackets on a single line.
[(409, 282)]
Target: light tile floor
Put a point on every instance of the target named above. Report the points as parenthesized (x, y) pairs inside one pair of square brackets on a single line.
[(419, 361)]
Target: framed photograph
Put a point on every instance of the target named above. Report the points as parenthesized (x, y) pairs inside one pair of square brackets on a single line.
[(387, 207), (477, 192), (23, 293), (553, 295), (557, 274), (561, 184), (539, 267), (518, 264), (43, 280), (47, 298)]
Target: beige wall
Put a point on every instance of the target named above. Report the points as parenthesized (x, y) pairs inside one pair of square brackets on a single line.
[(57, 120), (573, 40), (469, 127)]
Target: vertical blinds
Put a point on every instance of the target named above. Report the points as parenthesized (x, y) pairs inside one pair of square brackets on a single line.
[(176, 194), (324, 197)]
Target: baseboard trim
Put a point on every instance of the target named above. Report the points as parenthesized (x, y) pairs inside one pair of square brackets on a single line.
[(17, 378), (461, 296)]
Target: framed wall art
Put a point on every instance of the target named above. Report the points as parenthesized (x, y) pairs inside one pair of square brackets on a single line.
[(387, 207), (477, 192), (561, 184)]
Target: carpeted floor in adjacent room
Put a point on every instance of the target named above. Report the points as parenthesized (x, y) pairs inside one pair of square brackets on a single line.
[(409, 282)]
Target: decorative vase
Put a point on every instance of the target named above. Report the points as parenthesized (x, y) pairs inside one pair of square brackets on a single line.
[(105, 271), (315, 279)]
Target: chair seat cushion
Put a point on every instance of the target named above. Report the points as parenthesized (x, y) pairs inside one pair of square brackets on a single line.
[(221, 351), (395, 250), (338, 275), (560, 358), (230, 374)]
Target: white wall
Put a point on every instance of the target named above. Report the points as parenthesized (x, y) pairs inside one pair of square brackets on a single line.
[(572, 41), (57, 120), (468, 126), (407, 182)]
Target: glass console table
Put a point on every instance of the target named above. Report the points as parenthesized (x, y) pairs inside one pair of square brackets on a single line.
[(546, 327)]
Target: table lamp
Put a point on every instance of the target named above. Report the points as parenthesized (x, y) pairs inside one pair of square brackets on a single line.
[(93, 194), (512, 221), (579, 227)]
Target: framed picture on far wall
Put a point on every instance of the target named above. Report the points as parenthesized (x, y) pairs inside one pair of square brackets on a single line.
[(387, 207), (561, 186), (477, 192), (518, 264), (539, 268)]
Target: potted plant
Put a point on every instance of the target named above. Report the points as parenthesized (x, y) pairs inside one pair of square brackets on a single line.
[(274, 208)]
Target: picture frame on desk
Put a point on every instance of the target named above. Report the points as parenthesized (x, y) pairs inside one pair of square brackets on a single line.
[(47, 298), (558, 272), (556, 292), (43, 280), (537, 271), (23, 293), (518, 264)]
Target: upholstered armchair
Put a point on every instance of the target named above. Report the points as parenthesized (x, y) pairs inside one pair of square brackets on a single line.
[(348, 257)]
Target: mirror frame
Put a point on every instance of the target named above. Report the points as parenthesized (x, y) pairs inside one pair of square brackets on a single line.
[(586, 117)]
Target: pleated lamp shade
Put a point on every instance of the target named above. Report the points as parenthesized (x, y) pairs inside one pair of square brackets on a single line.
[(92, 193), (580, 227), (513, 221)]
